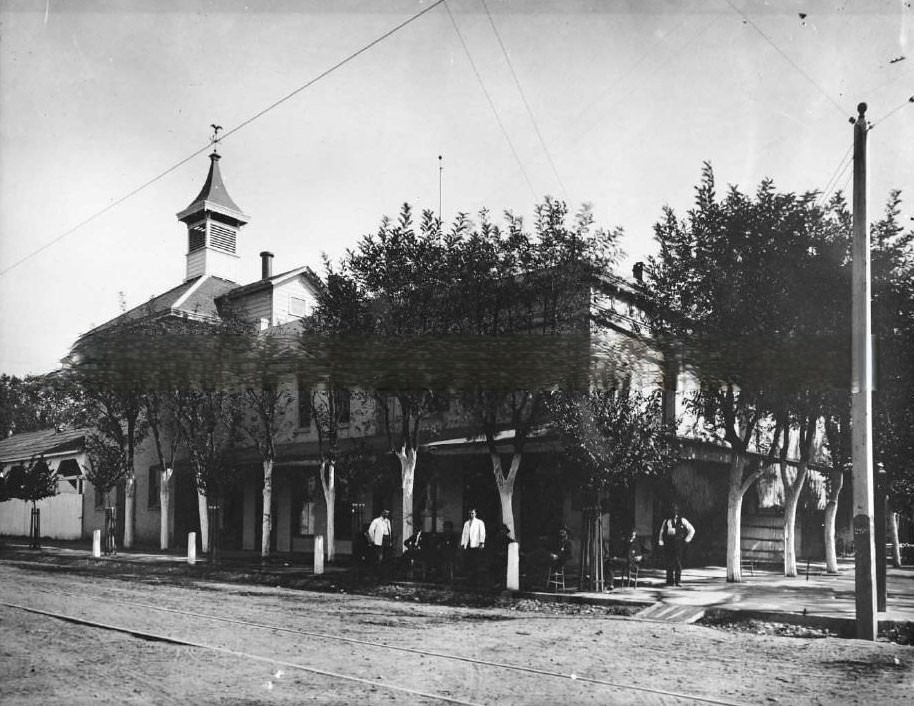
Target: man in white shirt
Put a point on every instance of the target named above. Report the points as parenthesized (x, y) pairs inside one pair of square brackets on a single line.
[(379, 538), (473, 541), (675, 532)]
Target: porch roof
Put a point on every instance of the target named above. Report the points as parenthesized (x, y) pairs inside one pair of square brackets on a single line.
[(538, 439)]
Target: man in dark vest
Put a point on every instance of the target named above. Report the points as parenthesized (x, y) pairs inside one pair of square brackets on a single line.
[(675, 532)]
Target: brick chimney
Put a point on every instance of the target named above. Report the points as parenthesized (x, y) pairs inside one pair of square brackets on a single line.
[(638, 271)]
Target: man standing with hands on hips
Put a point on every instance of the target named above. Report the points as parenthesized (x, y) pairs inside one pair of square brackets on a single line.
[(473, 541)]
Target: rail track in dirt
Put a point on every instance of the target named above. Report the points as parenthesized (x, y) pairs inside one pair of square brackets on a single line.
[(123, 609)]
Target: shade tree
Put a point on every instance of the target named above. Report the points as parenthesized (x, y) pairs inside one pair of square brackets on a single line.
[(719, 284), (893, 328), (209, 419), (610, 438)]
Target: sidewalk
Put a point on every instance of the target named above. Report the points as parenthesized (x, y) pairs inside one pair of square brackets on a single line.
[(813, 599), (816, 599)]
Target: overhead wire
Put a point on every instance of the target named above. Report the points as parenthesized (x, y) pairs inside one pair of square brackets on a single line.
[(485, 92), (846, 160), (846, 181), (836, 174), (523, 98), (678, 50), (230, 132), (786, 58), (619, 79), (892, 112)]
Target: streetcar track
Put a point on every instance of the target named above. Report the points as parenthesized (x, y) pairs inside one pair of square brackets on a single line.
[(156, 637), (377, 645)]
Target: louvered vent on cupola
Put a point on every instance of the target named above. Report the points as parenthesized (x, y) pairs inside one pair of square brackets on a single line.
[(213, 221), (196, 238), (221, 237)]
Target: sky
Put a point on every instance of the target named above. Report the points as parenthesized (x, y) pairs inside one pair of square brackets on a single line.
[(616, 104)]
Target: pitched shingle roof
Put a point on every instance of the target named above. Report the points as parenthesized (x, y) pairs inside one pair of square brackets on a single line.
[(261, 284), (31, 444), (195, 297)]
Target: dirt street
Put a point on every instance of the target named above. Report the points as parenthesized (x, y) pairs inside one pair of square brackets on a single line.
[(337, 648)]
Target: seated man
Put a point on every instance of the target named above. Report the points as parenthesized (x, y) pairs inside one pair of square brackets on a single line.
[(561, 551), (446, 552), (414, 550), (361, 554), (624, 559)]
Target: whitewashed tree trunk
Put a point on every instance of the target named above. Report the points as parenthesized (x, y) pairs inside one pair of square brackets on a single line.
[(407, 458), (506, 487), (896, 547), (129, 510), (792, 493), (328, 483), (790, 523), (204, 521), (267, 524), (737, 489), (164, 508), (831, 511)]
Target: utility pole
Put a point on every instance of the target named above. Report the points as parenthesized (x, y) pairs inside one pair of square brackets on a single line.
[(440, 170), (861, 397)]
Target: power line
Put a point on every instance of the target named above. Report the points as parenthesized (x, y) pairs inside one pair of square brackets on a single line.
[(482, 85), (619, 79), (892, 112), (523, 97), (235, 129), (694, 38), (846, 181), (839, 171), (102, 211), (845, 162), (786, 58)]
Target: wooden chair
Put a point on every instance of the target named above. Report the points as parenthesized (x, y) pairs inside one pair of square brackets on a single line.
[(556, 579), (630, 577)]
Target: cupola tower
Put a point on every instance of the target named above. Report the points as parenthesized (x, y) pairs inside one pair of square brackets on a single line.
[(213, 221)]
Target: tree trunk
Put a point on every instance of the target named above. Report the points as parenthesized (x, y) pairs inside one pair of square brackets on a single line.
[(896, 547), (328, 482), (267, 507), (505, 486), (164, 503), (129, 508), (790, 519), (204, 521), (734, 517), (130, 504), (407, 458), (831, 511), (592, 559)]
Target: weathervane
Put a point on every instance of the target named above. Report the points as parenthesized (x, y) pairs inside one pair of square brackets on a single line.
[(214, 140)]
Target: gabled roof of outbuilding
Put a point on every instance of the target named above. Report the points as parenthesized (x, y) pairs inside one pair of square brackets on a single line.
[(32, 444)]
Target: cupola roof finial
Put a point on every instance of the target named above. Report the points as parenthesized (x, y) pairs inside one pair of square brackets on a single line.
[(215, 139), (213, 196)]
